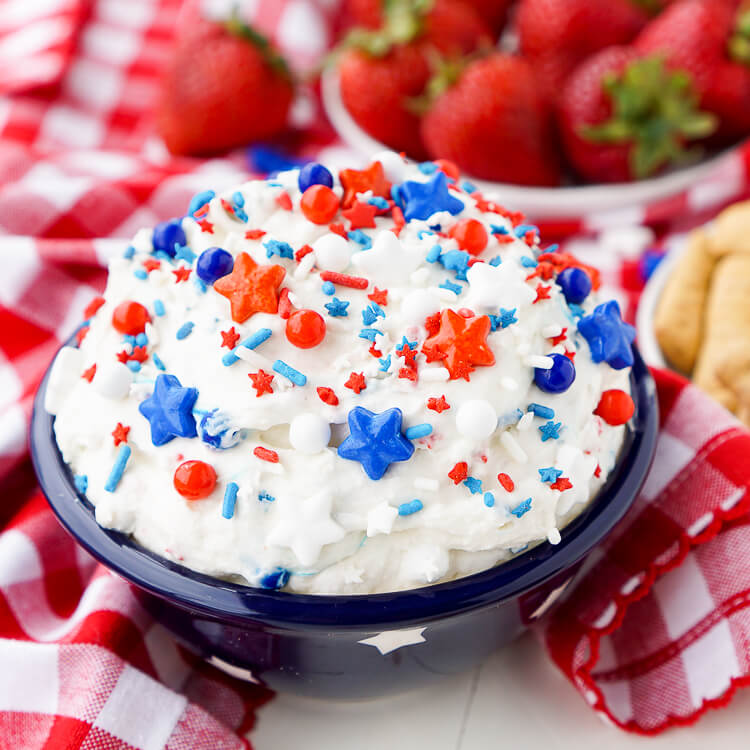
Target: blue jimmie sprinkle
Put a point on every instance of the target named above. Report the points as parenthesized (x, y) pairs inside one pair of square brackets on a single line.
[(509, 418), (358, 236), (418, 431), (328, 288), (119, 466), (289, 372), (550, 474), (576, 311), (240, 213), (541, 411), (396, 195), (422, 233), (455, 288), (406, 509), (159, 307), (157, 361), (550, 431), (229, 359), (129, 252), (238, 199), (527, 262), (184, 330), (433, 254), (266, 497), (282, 249), (81, 481), (199, 284), (489, 499), (496, 261), (275, 579), (427, 167), (256, 339), (474, 485), (385, 363), (378, 202), (141, 339), (337, 307), (199, 200), (498, 229), (230, 498), (522, 508), (468, 187), (140, 273), (552, 248), (521, 230), (370, 333), (133, 365)]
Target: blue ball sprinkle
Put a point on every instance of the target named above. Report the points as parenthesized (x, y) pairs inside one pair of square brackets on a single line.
[(575, 284), (141, 339), (159, 307), (166, 235), (328, 288), (558, 378), (489, 499), (214, 263), (314, 174), (133, 365), (140, 273)]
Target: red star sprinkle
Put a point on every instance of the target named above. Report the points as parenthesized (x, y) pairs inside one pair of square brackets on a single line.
[(261, 382), (379, 296), (542, 292), (372, 178), (251, 288), (506, 482), (562, 484), (460, 343), (123, 356), (459, 472), (206, 226), (120, 434), (229, 338), (151, 264), (254, 234), (182, 274), (266, 454), (327, 396), (529, 238), (375, 352), (438, 404), (432, 324), (338, 229), (570, 355), (560, 338), (284, 201), (361, 215), (544, 271), (302, 252), (356, 382), (93, 306), (408, 354), (139, 354), (89, 374), (408, 373)]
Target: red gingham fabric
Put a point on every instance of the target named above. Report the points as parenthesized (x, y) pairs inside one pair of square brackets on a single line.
[(657, 631)]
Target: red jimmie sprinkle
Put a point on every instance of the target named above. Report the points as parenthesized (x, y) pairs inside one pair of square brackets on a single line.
[(343, 279), (254, 234), (459, 472), (302, 252), (504, 239), (201, 212), (327, 396), (93, 306), (266, 454), (81, 334), (285, 305), (338, 229), (227, 206), (89, 374), (506, 482), (284, 201)]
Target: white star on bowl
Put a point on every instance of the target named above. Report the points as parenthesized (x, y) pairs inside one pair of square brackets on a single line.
[(390, 640), (305, 526)]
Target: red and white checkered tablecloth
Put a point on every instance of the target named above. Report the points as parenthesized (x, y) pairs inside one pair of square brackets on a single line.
[(657, 632)]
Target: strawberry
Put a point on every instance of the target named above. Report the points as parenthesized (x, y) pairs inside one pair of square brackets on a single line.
[(705, 38), (494, 124), (224, 86), (493, 12), (624, 117), (557, 35), (376, 91)]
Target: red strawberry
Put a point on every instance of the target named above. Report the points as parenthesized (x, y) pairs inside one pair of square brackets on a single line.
[(557, 35), (625, 117), (376, 91), (697, 36), (494, 124), (493, 12), (367, 13), (224, 86)]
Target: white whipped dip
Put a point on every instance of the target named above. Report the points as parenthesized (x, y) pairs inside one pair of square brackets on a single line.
[(314, 521)]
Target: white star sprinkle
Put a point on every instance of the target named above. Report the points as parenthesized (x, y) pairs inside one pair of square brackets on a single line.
[(390, 640), (380, 519), (493, 286), (387, 261)]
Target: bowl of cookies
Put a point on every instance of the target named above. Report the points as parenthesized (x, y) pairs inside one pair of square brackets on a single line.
[(694, 315)]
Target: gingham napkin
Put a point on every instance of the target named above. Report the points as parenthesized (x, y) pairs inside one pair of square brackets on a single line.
[(655, 634)]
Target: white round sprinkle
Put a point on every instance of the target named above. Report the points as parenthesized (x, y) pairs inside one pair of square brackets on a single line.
[(394, 166), (113, 380), (332, 252), (550, 331), (309, 433), (476, 419), (304, 266), (514, 449), (418, 305), (434, 374)]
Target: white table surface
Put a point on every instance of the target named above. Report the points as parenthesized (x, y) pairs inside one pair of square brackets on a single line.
[(516, 699)]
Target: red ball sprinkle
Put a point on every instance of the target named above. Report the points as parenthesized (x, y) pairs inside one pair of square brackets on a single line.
[(615, 407), (266, 454), (195, 480), (130, 318), (459, 472), (327, 396), (319, 204), (305, 329), (470, 235), (506, 482)]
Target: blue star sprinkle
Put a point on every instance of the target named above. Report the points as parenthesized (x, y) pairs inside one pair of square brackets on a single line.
[(608, 337), (370, 333), (455, 288), (507, 317), (423, 199), (474, 485), (550, 430), (456, 260), (282, 249), (183, 252), (405, 342), (498, 229), (169, 410), (385, 364), (433, 254), (550, 474), (375, 440), (522, 508), (368, 316), (337, 308), (358, 236)]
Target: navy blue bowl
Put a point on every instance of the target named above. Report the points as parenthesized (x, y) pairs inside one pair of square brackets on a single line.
[(352, 646)]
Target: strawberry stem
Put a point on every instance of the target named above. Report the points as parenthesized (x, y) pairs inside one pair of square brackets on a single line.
[(236, 26), (739, 42), (656, 111)]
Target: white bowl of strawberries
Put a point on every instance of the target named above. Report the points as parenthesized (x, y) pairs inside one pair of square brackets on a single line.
[(592, 106)]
